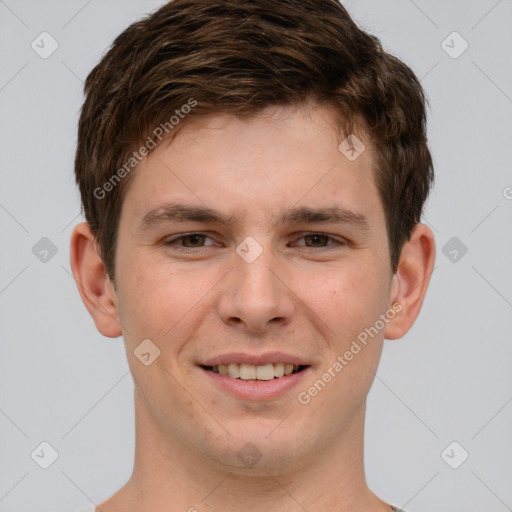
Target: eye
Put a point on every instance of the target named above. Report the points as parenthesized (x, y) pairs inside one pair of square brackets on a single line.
[(191, 241), (188, 241), (319, 240)]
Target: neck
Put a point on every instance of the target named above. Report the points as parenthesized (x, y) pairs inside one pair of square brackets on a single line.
[(168, 474)]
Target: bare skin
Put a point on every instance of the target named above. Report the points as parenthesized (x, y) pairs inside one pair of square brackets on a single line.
[(306, 294)]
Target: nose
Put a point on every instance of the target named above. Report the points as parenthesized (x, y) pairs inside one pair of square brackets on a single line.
[(255, 295)]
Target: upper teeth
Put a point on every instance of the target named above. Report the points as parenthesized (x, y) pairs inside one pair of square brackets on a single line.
[(246, 371)]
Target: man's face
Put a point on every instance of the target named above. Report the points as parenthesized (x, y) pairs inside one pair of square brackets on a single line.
[(275, 285)]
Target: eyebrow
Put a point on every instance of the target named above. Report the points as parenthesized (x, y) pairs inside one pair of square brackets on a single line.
[(180, 212)]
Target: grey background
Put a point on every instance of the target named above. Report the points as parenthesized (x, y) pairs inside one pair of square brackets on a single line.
[(448, 380)]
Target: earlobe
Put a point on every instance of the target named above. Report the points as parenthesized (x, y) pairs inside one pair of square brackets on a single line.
[(93, 283), (411, 280)]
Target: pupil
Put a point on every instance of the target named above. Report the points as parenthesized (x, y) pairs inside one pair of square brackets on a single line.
[(316, 238)]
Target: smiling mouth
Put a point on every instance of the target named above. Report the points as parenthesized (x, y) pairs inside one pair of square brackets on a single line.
[(246, 371)]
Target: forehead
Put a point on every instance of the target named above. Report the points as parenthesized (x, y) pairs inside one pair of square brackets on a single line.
[(283, 158)]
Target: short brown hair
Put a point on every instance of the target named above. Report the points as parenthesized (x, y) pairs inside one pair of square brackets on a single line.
[(238, 57)]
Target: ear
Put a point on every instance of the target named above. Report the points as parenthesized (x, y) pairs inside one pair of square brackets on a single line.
[(411, 281), (94, 285)]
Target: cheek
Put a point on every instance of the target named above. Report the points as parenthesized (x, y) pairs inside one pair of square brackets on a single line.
[(160, 300), (347, 300), (350, 306), (150, 300)]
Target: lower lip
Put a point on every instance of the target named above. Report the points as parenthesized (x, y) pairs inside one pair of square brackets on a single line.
[(257, 389)]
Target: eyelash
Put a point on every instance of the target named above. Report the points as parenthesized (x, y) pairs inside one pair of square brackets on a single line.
[(194, 249)]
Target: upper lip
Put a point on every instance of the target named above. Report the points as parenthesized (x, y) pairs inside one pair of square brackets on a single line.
[(255, 359)]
